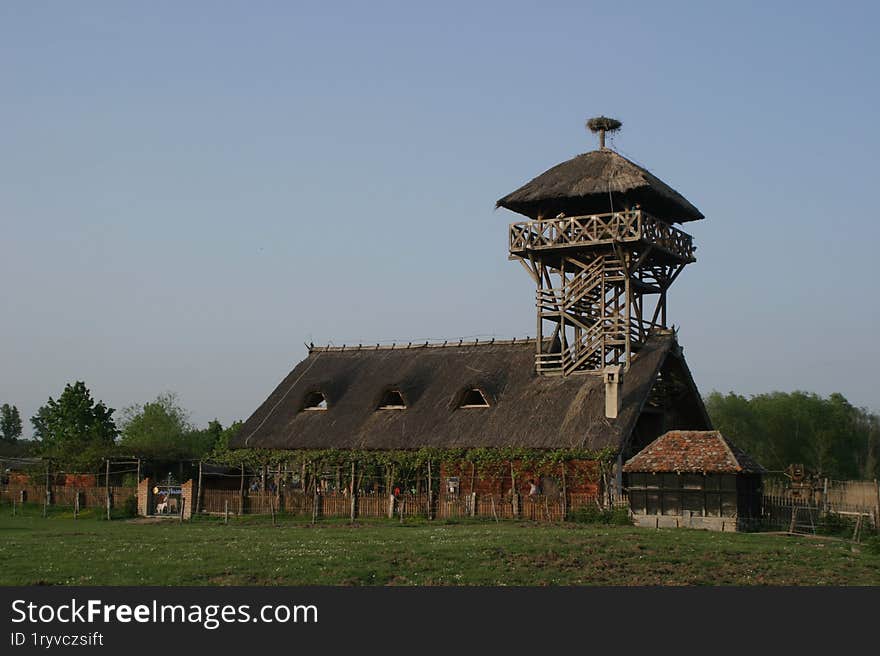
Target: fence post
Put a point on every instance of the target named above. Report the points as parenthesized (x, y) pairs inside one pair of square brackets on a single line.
[(877, 507), (107, 484), (430, 494), (198, 505), (76, 505), (241, 492), (225, 511), (564, 493), (353, 492), (515, 497), (48, 494), (182, 504), (272, 509)]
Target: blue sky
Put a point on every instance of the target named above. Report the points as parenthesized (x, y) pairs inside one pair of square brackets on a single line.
[(190, 191)]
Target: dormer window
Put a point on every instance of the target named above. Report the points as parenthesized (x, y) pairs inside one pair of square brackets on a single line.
[(473, 398), (315, 401), (392, 400)]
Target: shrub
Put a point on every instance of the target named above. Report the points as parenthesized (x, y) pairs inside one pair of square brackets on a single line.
[(836, 525), (130, 506)]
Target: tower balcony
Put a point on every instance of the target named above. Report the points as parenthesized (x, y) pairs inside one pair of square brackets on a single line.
[(628, 226)]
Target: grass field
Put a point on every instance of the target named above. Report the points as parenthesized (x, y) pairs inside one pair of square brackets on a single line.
[(59, 550)]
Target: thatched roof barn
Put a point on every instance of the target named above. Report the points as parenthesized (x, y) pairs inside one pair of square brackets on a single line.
[(467, 396), (609, 380), (595, 183)]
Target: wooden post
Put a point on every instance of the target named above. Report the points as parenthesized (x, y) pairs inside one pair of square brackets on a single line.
[(138, 470), (315, 504), (241, 492), (46, 495), (391, 494), (277, 494), (272, 509), (877, 507), (353, 492), (76, 504), (564, 493), (225, 511), (515, 496), (182, 504), (265, 476), (430, 494), (107, 483), (473, 504), (198, 505)]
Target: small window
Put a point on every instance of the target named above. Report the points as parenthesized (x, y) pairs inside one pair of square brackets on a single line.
[(392, 400), (315, 401), (473, 398)]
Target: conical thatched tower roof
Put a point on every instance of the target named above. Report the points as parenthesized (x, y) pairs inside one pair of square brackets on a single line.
[(595, 183)]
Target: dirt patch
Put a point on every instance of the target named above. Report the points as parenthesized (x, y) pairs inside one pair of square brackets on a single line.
[(149, 520)]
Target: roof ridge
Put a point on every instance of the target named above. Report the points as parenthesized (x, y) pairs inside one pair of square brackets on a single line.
[(419, 345), (394, 346)]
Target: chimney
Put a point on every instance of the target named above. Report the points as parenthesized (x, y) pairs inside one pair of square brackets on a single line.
[(612, 375)]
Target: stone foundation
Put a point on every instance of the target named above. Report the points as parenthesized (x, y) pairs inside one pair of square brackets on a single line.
[(690, 521)]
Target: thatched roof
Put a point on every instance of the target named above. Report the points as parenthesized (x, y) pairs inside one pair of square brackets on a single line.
[(694, 452), (525, 409), (598, 182)]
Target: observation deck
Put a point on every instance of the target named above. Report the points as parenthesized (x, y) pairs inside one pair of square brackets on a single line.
[(628, 226)]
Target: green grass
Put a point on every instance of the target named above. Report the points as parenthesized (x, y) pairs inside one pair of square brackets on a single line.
[(58, 550)]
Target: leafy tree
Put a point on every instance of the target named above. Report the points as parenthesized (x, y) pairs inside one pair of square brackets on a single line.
[(829, 436), (10, 424), (75, 430), (203, 441), (221, 451), (161, 430)]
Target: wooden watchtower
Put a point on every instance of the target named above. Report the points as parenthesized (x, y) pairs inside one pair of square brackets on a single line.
[(601, 247)]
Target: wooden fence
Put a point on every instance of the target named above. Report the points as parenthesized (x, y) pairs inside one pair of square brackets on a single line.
[(89, 497), (807, 515), (538, 508), (828, 493)]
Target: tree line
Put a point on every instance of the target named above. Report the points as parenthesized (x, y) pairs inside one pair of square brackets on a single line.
[(829, 435), (78, 433)]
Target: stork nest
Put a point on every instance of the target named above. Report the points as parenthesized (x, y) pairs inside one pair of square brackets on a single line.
[(603, 123)]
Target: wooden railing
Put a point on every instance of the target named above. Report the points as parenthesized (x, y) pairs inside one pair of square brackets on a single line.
[(595, 229)]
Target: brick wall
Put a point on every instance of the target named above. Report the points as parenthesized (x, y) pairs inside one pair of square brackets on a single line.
[(144, 497), (188, 496), (581, 477)]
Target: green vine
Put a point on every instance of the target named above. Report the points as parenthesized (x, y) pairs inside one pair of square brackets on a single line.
[(484, 459)]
